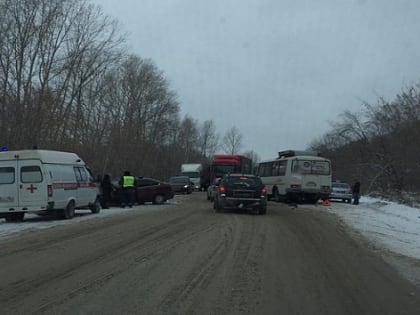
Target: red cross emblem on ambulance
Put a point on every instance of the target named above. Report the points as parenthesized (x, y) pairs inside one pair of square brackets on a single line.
[(32, 188)]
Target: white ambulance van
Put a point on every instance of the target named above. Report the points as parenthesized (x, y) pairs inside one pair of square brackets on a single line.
[(44, 182)]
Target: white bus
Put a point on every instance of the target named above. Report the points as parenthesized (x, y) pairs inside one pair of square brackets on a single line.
[(296, 176)]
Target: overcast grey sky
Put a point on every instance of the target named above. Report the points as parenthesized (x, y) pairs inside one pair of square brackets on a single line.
[(278, 70)]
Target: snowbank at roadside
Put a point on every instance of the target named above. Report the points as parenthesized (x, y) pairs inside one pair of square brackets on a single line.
[(34, 222), (389, 225)]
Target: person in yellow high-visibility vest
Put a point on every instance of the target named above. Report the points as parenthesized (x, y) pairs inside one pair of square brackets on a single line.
[(127, 183)]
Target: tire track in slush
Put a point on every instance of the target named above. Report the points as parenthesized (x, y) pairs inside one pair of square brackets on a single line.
[(152, 241), (230, 270), (115, 250), (152, 248), (180, 300), (244, 267)]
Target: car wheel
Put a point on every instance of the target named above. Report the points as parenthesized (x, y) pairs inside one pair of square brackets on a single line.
[(96, 206), (68, 212), (263, 210), (15, 217), (219, 207), (159, 199), (216, 205)]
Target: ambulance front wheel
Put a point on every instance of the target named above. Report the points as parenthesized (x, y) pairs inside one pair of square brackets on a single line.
[(96, 206), (68, 212)]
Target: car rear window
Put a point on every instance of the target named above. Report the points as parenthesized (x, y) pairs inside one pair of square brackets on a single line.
[(244, 181)]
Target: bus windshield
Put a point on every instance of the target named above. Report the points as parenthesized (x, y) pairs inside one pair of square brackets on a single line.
[(313, 167)]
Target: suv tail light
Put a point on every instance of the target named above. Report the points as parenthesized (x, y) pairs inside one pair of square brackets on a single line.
[(222, 189)]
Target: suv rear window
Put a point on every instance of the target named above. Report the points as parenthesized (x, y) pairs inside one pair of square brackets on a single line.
[(243, 181)]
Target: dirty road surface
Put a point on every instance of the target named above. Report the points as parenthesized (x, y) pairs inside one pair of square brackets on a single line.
[(186, 259)]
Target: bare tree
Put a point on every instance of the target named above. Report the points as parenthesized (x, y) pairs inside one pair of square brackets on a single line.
[(188, 138), (208, 139), (232, 141), (52, 50), (378, 144), (144, 114), (254, 157)]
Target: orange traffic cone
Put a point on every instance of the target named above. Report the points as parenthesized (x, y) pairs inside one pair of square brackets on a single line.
[(326, 202)]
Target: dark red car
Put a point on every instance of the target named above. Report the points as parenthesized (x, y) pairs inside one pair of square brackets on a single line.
[(147, 190)]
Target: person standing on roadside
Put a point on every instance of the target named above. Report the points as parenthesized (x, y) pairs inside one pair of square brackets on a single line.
[(127, 183), (106, 190), (356, 193)]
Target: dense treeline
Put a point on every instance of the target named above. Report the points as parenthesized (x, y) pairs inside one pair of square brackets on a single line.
[(67, 83), (379, 145)]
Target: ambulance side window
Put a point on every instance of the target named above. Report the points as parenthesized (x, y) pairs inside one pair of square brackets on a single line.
[(77, 173), (30, 174), (90, 174), (81, 175), (7, 175)]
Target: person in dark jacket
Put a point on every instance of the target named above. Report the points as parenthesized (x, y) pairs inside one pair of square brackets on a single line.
[(127, 183), (356, 193), (106, 191)]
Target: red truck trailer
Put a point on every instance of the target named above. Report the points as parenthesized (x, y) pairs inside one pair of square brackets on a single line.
[(222, 164)]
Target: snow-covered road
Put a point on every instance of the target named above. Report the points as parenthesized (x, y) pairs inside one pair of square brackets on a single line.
[(388, 225)]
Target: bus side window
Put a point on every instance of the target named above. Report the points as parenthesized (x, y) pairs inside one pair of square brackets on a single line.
[(269, 169), (295, 167), (274, 169), (282, 168), (264, 169)]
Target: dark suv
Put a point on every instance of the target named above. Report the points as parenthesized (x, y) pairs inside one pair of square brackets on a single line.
[(241, 191)]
